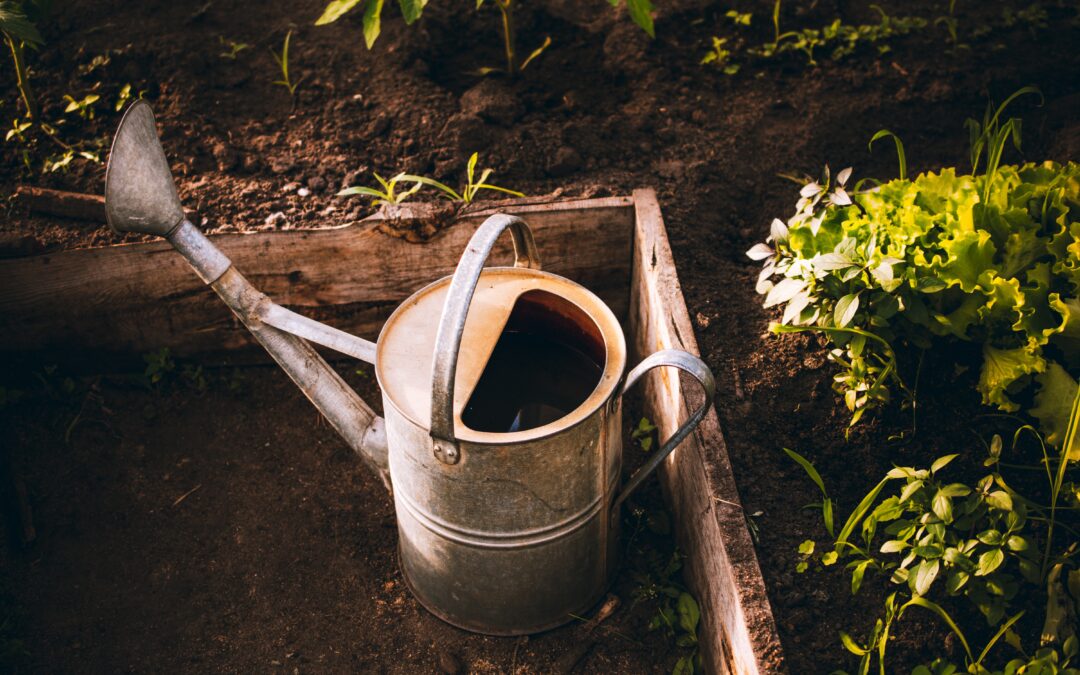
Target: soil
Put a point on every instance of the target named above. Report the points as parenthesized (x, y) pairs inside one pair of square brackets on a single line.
[(603, 111)]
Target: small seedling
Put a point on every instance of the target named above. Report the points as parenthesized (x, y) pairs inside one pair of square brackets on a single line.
[(233, 48), (643, 434), (84, 106), (739, 18), (472, 186), (512, 68), (18, 130), (721, 56), (159, 365), (283, 63), (386, 193)]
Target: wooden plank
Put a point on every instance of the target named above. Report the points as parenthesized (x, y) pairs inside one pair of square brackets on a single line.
[(140, 297), (738, 633)]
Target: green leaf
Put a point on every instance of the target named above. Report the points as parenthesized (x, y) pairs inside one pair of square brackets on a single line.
[(1002, 367), (990, 537), (1053, 405), (412, 9), (689, 614), (989, 561), (846, 307), (809, 468), (859, 512), (13, 22), (335, 10), (852, 646), (894, 546), (925, 574), (372, 22), (684, 666), (1000, 499), (829, 558), (807, 547), (641, 14), (941, 462), (857, 576), (942, 507)]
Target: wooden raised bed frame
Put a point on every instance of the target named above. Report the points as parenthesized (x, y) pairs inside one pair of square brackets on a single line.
[(139, 297)]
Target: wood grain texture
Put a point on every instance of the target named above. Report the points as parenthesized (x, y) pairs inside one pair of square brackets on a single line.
[(738, 633), (141, 297)]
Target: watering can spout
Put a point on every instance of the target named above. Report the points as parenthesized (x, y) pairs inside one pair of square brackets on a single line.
[(141, 197)]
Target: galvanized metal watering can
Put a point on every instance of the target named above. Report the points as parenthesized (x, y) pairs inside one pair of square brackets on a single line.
[(502, 391)]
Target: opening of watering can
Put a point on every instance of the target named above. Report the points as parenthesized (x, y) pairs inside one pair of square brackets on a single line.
[(538, 354)]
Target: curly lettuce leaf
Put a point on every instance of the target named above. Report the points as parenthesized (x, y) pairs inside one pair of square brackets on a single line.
[(1053, 405), (1003, 368)]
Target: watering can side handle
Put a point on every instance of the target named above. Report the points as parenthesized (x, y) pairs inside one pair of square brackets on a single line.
[(694, 366), (452, 322)]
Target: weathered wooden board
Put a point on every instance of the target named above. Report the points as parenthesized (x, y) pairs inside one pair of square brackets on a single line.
[(140, 297), (738, 632)]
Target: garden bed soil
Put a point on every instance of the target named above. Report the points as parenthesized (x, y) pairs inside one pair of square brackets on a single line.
[(603, 111), (178, 530)]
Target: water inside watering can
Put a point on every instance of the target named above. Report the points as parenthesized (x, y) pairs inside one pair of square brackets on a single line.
[(548, 360)]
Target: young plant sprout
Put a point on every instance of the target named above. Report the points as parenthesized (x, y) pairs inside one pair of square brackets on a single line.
[(513, 68), (472, 185), (19, 32), (234, 48), (387, 192), (283, 63), (84, 106)]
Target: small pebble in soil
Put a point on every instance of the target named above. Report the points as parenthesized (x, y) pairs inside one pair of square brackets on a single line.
[(290, 187), (702, 320), (303, 192), (276, 219), (316, 183)]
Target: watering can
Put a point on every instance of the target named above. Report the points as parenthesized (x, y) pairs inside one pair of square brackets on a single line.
[(502, 390)]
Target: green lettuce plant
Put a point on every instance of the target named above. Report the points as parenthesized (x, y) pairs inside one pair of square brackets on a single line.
[(992, 259)]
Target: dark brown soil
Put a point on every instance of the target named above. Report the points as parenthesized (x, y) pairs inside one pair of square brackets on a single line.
[(224, 527), (603, 111)]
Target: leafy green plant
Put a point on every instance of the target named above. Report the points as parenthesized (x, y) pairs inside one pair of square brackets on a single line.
[(159, 366), (282, 60), (20, 32), (84, 106), (644, 433), (232, 48), (977, 541), (991, 136), (677, 614), (721, 56), (640, 12), (473, 185), (990, 259), (739, 18), (387, 191)]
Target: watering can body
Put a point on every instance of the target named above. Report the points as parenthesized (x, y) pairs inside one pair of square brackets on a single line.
[(502, 530)]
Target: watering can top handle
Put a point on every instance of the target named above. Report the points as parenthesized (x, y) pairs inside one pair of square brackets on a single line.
[(691, 364), (452, 323)]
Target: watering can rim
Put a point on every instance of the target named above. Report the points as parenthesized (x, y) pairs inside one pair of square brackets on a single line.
[(597, 310)]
